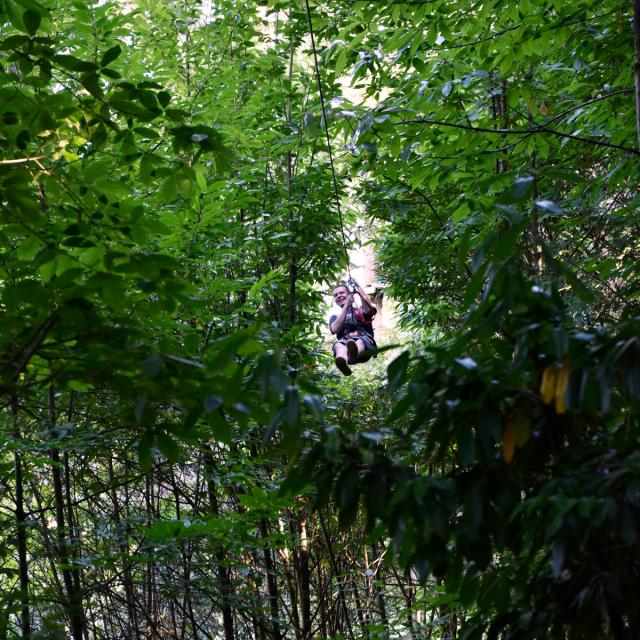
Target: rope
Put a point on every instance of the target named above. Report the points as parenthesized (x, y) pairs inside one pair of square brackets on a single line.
[(326, 130)]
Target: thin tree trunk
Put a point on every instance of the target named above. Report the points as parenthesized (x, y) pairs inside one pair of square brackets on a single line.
[(73, 535), (359, 610), (21, 534), (127, 578), (322, 596), (336, 571), (636, 32), (257, 617), (272, 584), (74, 596), (150, 579), (304, 577), (224, 576), (284, 554), (382, 608)]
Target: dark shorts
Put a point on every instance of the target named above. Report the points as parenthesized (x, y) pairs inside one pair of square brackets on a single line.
[(369, 345)]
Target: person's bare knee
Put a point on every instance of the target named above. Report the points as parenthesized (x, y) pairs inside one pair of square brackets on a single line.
[(341, 351)]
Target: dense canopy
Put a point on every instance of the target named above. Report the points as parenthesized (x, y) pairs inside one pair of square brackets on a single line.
[(180, 458)]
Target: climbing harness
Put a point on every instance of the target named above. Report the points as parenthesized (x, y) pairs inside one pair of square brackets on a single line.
[(326, 131)]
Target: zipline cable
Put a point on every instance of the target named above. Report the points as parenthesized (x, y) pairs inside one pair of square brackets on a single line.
[(326, 130)]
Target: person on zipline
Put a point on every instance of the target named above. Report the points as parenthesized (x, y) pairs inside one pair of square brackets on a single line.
[(352, 326)]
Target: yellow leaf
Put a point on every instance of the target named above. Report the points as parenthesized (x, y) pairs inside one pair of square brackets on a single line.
[(548, 384), (508, 442), (562, 384)]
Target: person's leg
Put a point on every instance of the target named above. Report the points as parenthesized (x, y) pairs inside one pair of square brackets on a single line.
[(361, 349), (353, 351), (342, 358), (356, 348)]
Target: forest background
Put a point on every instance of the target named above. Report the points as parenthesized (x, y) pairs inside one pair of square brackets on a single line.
[(180, 459)]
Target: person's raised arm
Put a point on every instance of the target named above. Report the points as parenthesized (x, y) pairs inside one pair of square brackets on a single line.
[(366, 300), (338, 324)]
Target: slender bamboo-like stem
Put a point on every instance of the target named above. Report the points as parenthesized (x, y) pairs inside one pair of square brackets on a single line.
[(636, 33), (272, 584), (224, 575), (304, 577), (21, 535), (74, 595)]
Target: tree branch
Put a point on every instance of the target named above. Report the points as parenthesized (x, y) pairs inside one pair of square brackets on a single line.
[(517, 132), (562, 114), (21, 160), (497, 34)]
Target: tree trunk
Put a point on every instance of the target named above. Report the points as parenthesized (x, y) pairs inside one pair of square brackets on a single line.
[(272, 584), (303, 578), (123, 545), (74, 595), (323, 596), (339, 580), (21, 534), (285, 556), (636, 32), (382, 608), (224, 577)]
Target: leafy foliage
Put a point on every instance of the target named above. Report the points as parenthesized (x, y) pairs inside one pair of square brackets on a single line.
[(167, 223)]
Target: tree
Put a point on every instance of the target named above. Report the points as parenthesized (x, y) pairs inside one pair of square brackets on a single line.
[(177, 461), (495, 147)]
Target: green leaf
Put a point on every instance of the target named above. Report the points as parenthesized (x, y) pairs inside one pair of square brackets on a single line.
[(222, 428), (168, 446), (169, 189), (292, 406), (32, 20), (71, 63), (47, 270), (164, 97), (139, 408), (145, 454), (110, 55), (111, 73), (152, 365), (15, 15), (348, 495), (28, 248), (13, 42), (79, 386), (397, 371), (291, 414)]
